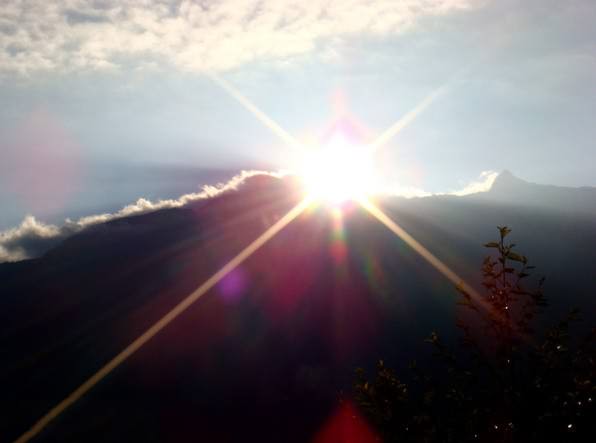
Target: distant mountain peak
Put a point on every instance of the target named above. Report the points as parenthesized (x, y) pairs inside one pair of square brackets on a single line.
[(510, 189), (506, 174), (506, 181)]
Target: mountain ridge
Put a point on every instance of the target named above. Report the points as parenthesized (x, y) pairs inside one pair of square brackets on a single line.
[(507, 189), (326, 300), (510, 189)]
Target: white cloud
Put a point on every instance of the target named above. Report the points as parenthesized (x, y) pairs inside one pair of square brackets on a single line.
[(198, 36), (32, 238), (406, 191), (482, 184), (27, 239)]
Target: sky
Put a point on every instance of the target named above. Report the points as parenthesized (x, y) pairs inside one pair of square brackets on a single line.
[(96, 93)]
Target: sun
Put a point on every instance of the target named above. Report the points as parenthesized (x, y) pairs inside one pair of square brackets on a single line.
[(338, 171)]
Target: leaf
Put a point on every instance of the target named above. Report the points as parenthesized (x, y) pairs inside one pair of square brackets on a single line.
[(504, 231), (516, 257), (492, 244)]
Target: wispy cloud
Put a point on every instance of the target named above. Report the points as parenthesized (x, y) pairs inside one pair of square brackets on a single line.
[(32, 238), (482, 184), (406, 191), (197, 36)]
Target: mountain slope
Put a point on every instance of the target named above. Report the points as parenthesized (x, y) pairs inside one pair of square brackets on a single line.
[(512, 190), (263, 355)]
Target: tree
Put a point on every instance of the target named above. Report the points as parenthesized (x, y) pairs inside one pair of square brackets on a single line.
[(506, 380)]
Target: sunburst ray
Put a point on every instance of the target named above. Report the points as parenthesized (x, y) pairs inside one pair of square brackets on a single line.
[(419, 248), (163, 322), (271, 124), (404, 121)]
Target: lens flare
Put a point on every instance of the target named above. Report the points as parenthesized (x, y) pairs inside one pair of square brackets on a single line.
[(339, 171)]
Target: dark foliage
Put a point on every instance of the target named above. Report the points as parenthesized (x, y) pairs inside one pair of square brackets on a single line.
[(508, 380)]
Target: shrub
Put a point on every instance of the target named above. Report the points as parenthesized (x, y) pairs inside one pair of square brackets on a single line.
[(505, 381)]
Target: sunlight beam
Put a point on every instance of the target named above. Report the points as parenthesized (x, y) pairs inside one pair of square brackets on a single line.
[(163, 322), (416, 246), (260, 115), (404, 121)]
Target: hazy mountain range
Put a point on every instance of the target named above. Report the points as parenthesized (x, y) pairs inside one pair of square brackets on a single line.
[(268, 353), (509, 189)]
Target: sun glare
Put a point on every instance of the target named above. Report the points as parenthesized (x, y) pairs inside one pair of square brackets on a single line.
[(338, 171)]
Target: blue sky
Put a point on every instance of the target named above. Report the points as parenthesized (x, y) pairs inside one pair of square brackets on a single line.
[(91, 84)]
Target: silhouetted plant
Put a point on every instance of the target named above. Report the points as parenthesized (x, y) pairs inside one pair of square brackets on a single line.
[(505, 382)]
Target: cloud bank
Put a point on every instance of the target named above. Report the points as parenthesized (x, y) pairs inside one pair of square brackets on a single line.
[(32, 238), (482, 184), (196, 36)]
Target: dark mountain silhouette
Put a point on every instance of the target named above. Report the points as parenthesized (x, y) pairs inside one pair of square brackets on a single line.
[(267, 354)]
